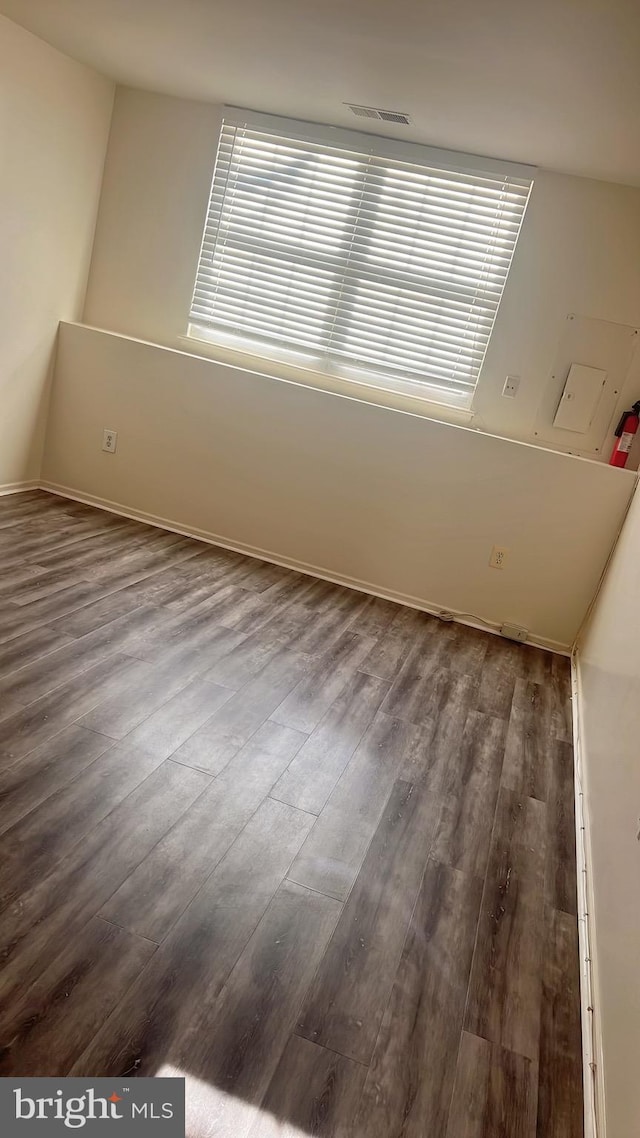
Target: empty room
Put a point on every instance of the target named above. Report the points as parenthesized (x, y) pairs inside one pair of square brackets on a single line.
[(320, 568)]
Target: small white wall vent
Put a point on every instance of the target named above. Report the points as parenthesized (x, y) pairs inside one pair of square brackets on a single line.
[(379, 114)]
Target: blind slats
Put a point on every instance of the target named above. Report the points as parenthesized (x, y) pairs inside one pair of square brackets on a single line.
[(357, 260)]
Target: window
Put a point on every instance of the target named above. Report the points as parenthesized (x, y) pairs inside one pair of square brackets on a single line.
[(356, 255)]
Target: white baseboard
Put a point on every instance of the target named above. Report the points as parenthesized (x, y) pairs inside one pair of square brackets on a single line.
[(593, 1069), (291, 563), (19, 487)]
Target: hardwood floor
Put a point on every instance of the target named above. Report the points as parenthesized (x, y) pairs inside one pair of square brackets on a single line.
[(308, 848)]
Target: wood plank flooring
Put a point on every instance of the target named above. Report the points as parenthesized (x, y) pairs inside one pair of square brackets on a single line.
[(308, 848)]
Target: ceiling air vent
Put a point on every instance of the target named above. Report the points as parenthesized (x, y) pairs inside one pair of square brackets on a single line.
[(379, 114)]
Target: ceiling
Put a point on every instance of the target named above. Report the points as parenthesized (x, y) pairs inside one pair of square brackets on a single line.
[(551, 82)]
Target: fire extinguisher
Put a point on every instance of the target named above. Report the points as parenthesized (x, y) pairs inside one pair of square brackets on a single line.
[(625, 432)]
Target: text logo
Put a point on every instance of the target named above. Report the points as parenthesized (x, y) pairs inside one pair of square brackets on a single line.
[(136, 1108)]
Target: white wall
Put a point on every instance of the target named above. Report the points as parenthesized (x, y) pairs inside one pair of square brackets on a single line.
[(579, 251), (609, 674), (405, 505), (54, 124)]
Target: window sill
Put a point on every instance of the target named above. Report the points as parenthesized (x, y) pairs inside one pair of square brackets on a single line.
[(369, 391)]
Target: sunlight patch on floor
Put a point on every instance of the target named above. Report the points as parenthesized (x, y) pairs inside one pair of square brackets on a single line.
[(211, 1113)]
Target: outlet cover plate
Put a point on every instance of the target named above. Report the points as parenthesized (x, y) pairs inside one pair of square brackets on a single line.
[(514, 632), (109, 440), (498, 557)]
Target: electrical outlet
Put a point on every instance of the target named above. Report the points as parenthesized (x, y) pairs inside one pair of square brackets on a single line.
[(109, 440), (514, 632), (511, 385), (498, 557)]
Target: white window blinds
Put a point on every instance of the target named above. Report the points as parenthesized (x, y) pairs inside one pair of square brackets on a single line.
[(356, 262)]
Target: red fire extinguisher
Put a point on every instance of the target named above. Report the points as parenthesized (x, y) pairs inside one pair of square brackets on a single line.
[(625, 432)]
